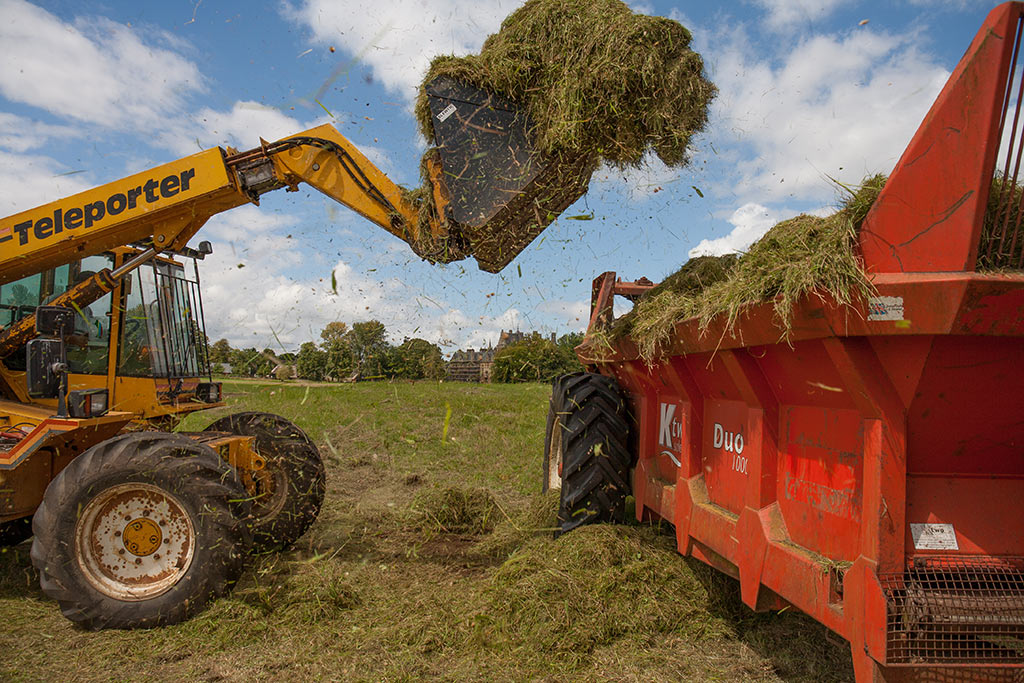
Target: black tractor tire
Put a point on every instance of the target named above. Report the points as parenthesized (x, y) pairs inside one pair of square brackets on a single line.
[(292, 483), (141, 530), (15, 531), (593, 418)]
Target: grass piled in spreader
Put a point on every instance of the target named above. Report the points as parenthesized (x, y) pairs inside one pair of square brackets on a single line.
[(799, 255)]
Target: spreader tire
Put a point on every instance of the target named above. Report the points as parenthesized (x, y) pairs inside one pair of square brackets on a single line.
[(595, 451), (290, 488), (15, 531), (139, 531)]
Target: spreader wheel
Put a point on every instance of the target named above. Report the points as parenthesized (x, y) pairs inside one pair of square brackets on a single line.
[(15, 531), (290, 487), (140, 530), (589, 436), (558, 415)]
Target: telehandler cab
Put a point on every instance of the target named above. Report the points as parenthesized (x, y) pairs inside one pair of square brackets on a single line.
[(102, 331)]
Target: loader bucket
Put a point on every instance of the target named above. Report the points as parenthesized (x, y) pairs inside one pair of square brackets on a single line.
[(501, 191)]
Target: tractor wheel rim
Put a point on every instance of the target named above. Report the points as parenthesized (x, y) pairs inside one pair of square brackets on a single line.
[(134, 541), (272, 491), (554, 456)]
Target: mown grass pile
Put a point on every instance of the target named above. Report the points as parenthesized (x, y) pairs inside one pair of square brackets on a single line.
[(538, 517), (799, 255), (456, 510), (595, 585)]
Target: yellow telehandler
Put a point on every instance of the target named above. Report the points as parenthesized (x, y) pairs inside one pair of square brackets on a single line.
[(102, 329)]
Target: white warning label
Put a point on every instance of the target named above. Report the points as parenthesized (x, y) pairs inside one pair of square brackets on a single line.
[(449, 110), (933, 537), (885, 308)]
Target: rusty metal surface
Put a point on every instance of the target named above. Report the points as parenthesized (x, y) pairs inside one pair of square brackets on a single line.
[(1002, 246), (134, 541), (929, 217)]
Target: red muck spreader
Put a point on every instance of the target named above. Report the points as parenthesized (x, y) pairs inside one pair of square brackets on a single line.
[(870, 470)]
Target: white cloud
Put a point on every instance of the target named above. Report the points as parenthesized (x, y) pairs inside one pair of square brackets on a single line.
[(283, 294), (644, 181), (242, 126), (573, 314), (467, 333), (749, 222), (113, 76), (398, 38), (784, 13), (248, 222), (95, 71), (29, 181), (641, 6), (843, 106), (951, 4), (18, 134)]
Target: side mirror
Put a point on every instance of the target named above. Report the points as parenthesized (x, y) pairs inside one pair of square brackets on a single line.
[(45, 367), (54, 321)]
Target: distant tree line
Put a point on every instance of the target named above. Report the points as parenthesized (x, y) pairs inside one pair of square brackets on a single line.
[(362, 352), (344, 353), (537, 359)]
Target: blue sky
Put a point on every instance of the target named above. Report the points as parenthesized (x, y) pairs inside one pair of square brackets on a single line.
[(92, 91)]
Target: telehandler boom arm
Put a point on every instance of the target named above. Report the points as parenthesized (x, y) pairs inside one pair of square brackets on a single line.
[(165, 206)]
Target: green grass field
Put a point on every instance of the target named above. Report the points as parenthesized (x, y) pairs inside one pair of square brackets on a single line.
[(433, 558)]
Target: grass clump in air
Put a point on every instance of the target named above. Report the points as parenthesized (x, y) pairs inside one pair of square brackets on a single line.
[(797, 256), (596, 82), (595, 78)]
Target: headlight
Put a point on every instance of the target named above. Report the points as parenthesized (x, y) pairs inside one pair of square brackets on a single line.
[(88, 402), (208, 392)]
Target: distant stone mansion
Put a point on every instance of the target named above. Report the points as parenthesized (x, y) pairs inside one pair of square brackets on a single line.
[(476, 366)]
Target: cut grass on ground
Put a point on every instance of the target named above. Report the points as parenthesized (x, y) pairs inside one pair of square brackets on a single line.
[(434, 558)]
